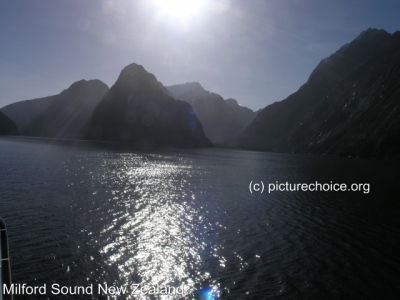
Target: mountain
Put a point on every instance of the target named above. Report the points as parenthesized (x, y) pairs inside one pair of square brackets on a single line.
[(245, 114), (138, 109), (7, 126), (65, 115), (222, 119), (349, 106)]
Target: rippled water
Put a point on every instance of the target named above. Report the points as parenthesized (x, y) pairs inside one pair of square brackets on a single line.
[(79, 215)]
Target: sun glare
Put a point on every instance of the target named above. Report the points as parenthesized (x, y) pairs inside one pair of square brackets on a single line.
[(180, 8)]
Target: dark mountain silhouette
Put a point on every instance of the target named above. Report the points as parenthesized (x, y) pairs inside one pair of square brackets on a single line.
[(7, 126), (138, 109), (245, 114), (222, 119), (60, 116), (349, 106)]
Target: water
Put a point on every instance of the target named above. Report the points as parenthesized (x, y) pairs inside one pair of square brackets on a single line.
[(78, 215)]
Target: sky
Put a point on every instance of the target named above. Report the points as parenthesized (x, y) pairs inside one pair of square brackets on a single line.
[(255, 51)]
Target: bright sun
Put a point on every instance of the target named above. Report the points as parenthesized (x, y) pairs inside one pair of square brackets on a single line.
[(180, 8)]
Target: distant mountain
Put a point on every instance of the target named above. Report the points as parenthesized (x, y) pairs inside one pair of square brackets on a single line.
[(7, 126), (222, 119), (60, 116), (245, 114), (138, 109), (349, 106)]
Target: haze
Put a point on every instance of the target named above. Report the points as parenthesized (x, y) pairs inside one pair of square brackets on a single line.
[(257, 52)]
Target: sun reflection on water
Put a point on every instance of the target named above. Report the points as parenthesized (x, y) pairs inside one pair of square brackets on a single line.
[(154, 234)]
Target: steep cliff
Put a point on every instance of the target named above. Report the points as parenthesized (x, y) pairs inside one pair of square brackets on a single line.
[(65, 115), (138, 109), (349, 105)]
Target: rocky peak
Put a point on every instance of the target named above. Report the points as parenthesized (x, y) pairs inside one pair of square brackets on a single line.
[(371, 34), (232, 102), (188, 91), (194, 86), (134, 78), (83, 84), (137, 109)]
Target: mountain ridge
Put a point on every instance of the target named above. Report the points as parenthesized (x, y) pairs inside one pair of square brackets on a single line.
[(222, 119), (64, 115), (308, 120), (138, 109)]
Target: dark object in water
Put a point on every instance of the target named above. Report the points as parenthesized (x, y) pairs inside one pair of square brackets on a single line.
[(5, 272)]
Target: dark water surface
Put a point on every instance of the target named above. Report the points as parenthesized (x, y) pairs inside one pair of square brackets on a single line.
[(79, 215)]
